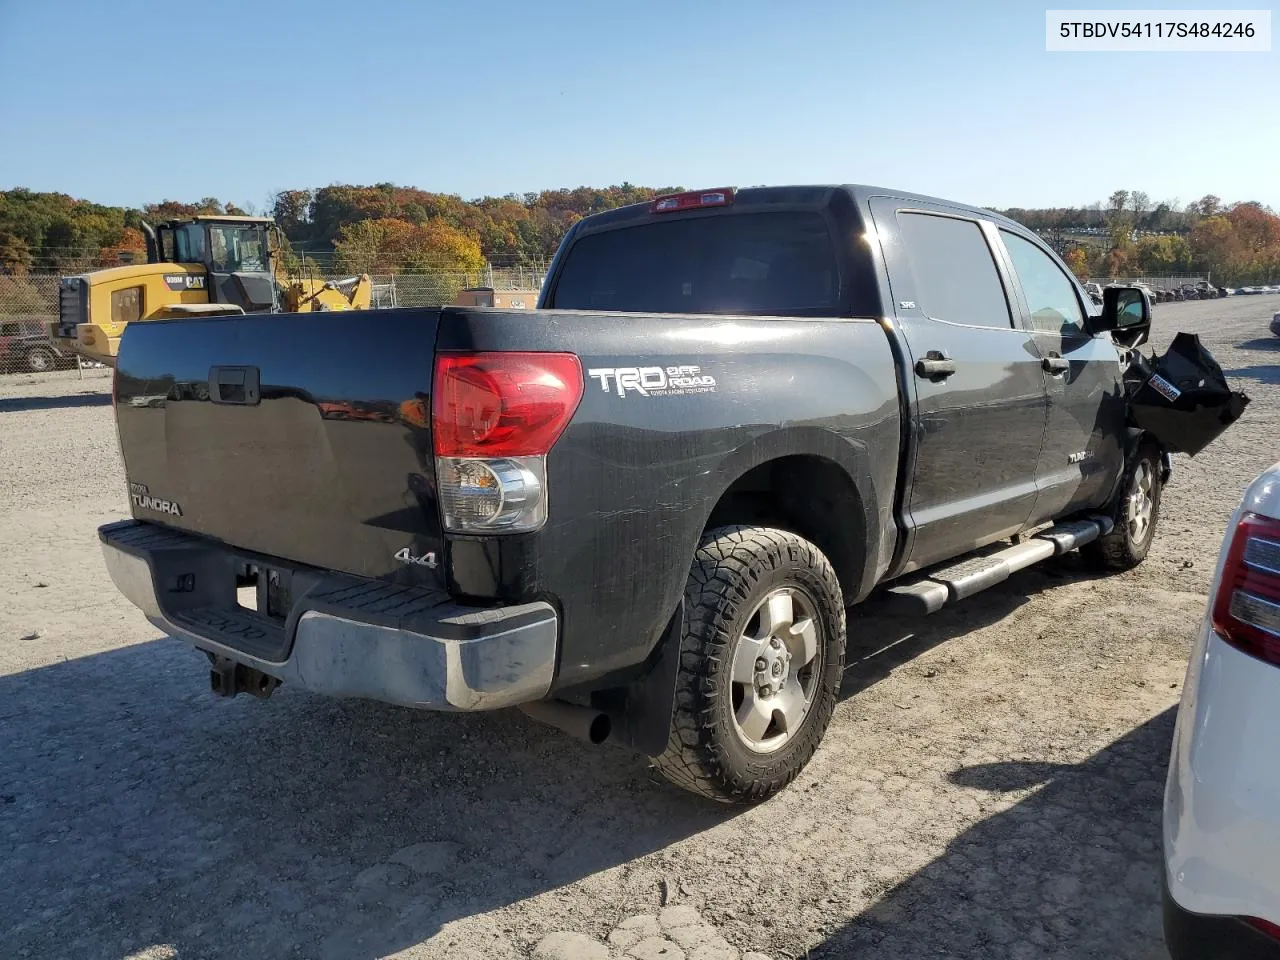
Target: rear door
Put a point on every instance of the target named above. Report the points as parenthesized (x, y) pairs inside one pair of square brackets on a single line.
[(1082, 452), (979, 393)]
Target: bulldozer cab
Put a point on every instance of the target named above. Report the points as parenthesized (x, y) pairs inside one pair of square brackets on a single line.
[(234, 252)]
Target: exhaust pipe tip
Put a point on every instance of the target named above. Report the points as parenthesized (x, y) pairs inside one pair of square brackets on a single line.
[(584, 723), (599, 729)]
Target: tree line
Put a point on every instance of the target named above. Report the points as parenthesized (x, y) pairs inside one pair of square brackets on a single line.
[(387, 228)]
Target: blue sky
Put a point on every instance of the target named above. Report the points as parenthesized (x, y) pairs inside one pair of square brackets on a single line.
[(126, 102)]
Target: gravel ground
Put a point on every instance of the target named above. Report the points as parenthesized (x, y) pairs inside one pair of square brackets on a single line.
[(990, 785)]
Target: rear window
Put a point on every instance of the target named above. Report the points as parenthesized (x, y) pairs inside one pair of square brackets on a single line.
[(780, 264)]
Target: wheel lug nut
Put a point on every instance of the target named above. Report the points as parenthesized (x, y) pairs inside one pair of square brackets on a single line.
[(775, 643), (760, 664)]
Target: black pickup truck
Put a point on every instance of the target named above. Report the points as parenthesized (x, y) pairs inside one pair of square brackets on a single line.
[(641, 511)]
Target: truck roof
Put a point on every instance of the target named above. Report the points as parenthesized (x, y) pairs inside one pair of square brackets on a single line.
[(812, 194)]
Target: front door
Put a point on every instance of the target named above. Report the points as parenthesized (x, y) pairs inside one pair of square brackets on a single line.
[(1082, 453), (979, 410)]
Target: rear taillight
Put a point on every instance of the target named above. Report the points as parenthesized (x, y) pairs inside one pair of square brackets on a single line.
[(494, 418), (1265, 926), (1246, 611)]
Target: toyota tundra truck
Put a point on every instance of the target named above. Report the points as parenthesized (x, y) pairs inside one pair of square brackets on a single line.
[(640, 511)]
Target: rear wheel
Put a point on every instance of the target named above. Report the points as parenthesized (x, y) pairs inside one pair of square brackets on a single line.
[(762, 656), (1135, 516), (40, 360)]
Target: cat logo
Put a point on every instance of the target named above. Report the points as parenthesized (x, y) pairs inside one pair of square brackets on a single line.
[(184, 281)]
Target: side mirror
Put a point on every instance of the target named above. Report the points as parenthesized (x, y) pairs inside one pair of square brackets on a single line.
[(1126, 313)]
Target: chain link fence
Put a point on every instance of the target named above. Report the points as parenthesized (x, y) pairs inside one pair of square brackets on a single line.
[(1164, 282), (29, 303)]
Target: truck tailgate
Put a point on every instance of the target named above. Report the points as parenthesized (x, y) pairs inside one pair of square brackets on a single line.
[(300, 436)]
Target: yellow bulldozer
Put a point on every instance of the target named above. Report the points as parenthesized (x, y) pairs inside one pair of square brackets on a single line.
[(199, 266)]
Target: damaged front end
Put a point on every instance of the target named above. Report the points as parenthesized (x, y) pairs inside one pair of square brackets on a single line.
[(1181, 399)]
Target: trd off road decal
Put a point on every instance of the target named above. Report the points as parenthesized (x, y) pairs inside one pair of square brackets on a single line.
[(673, 381)]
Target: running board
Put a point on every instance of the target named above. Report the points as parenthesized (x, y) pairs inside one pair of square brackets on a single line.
[(944, 585)]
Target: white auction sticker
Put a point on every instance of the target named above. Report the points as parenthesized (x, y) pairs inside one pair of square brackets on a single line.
[(1171, 31), (1163, 387)]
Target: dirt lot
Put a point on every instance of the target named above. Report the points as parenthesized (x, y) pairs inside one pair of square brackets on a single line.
[(990, 786)]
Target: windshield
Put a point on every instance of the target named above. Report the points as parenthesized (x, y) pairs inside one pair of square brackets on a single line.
[(237, 249), (776, 264)]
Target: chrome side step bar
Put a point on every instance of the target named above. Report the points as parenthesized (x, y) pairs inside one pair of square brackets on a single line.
[(944, 585)]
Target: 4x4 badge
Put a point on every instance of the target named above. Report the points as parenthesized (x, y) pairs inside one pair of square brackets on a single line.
[(426, 560)]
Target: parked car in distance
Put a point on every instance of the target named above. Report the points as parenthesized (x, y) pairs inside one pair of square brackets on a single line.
[(25, 348), (1094, 290), (1275, 324), (1221, 870), (1151, 294), (617, 512)]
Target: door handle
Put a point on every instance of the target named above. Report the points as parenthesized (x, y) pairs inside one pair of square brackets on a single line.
[(935, 366), (1055, 365), (235, 385)]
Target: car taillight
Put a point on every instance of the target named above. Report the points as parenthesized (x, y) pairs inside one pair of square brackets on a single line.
[(1246, 611), (494, 417), (1265, 926)]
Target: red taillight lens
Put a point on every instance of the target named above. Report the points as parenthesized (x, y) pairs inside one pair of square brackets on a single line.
[(503, 404), (692, 200), (1266, 926), (1246, 611)]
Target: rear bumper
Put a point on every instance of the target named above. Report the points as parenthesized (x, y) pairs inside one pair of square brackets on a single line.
[(1222, 798), (344, 636), (1198, 936)]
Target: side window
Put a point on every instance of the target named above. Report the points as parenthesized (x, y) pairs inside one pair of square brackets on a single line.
[(1051, 296), (955, 273), (126, 305), (8, 329), (191, 243)]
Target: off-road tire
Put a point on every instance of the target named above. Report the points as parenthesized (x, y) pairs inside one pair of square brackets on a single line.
[(734, 569), (1120, 550)]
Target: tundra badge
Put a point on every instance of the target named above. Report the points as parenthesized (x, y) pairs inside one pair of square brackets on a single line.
[(143, 500)]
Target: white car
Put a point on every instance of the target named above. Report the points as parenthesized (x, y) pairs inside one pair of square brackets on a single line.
[(1222, 799)]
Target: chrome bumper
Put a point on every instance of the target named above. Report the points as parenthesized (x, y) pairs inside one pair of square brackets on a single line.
[(467, 659)]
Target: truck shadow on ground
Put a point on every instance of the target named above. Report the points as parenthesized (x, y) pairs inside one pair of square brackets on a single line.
[(1072, 870), (1262, 373), (1261, 343), (880, 642), (137, 810), (89, 398)]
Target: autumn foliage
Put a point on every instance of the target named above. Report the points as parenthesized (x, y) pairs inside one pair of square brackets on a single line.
[(385, 228)]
